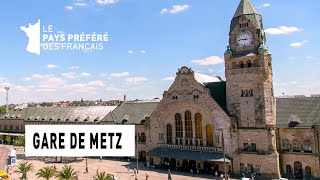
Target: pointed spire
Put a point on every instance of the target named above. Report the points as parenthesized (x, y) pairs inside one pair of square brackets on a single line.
[(245, 7)]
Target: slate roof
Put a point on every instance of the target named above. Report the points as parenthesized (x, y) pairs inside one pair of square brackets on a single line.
[(132, 112), (187, 154), (247, 8), (218, 93), (60, 114), (301, 112)]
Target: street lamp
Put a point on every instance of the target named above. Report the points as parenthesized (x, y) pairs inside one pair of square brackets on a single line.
[(224, 154), (137, 153)]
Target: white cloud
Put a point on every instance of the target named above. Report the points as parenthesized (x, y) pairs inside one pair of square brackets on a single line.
[(46, 90), (106, 2), (74, 67), (85, 74), (175, 9), (266, 5), (297, 88), (69, 75), (52, 83), (130, 52), (143, 51), (282, 30), (123, 74), (97, 83), (27, 79), (80, 4), (41, 76), (135, 80), (70, 8), (168, 79), (51, 66), (208, 61), (299, 44)]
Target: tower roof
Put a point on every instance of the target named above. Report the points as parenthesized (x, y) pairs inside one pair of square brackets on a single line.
[(245, 8)]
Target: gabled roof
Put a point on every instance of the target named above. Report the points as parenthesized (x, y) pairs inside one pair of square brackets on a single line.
[(245, 8), (60, 114), (297, 112), (131, 112)]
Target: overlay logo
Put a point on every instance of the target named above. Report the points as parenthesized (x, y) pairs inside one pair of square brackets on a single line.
[(44, 38), (33, 33)]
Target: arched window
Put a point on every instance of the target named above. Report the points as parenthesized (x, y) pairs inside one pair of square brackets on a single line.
[(209, 133), (288, 169), (285, 144), (169, 134), (307, 145), (198, 125), (298, 169), (234, 65), (256, 63), (179, 130), (188, 124), (249, 64), (308, 171), (241, 64), (296, 146), (143, 137)]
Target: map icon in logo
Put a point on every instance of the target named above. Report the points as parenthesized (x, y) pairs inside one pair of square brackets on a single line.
[(33, 33)]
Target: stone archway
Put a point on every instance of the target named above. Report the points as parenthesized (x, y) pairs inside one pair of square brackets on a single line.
[(298, 170), (142, 156)]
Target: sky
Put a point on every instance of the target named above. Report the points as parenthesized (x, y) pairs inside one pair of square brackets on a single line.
[(148, 41)]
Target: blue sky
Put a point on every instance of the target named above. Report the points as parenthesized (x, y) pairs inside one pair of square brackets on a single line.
[(148, 41)]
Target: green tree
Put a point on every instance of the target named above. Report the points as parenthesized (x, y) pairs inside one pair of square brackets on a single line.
[(46, 173), (1, 138), (23, 168), (102, 176), (7, 139), (67, 173), (20, 141), (3, 109)]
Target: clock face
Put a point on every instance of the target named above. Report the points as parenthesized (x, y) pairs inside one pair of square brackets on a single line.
[(244, 39)]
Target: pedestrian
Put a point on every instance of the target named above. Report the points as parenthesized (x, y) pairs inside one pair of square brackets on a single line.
[(147, 176), (128, 168), (191, 171)]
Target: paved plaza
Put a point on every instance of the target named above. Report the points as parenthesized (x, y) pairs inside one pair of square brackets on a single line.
[(112, 166)]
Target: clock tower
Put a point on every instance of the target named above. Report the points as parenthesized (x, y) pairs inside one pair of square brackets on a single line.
[(250, 100)]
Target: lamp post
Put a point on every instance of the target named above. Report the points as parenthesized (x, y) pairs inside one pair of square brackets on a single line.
[(87, 165), (224, 154), (137, 153)]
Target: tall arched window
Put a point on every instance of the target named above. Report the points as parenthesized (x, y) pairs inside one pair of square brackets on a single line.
[(308, 171), (288, 169), (285, 144), (188, 124), (307, 145), (209, 132), (296, 146), (198, 125), (143, 137), (169, 134), (179, 128)]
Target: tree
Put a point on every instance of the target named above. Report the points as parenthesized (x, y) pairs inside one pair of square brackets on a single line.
[(3, 109), (1, 138), (67, 173), (7, 139), (23, 168), (46, 173), (102, 176), (20, 141)]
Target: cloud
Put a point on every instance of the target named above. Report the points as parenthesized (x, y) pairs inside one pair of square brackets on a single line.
[(297, 88), (123, 74), (175, 9), (97, 83), (299, 44), (80, 4), (143, 51), (135, 80), (69, 75), (70, 8), (74, 67), (282, 30), (266, 5), (168, 79), (208, 61), (41, 76), (27, 79), (85, 74), (51, 66), (106, 2), (130, 52)]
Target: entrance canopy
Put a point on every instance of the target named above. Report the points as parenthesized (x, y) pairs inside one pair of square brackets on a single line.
[(10, 134), (188, 154)]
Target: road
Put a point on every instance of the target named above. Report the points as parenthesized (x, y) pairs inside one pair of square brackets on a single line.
[(4, 150)]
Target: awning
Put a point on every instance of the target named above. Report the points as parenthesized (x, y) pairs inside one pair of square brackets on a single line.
[(188, 154), (10, 134)]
